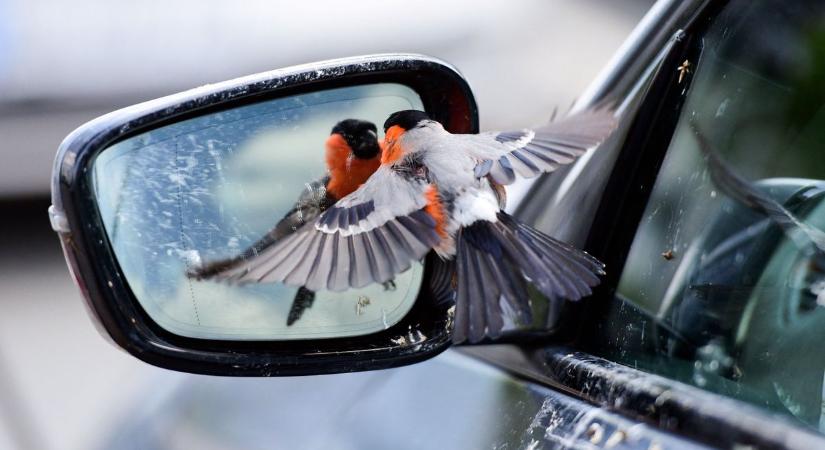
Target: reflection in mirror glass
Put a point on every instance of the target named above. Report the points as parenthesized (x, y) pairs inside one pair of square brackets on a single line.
[(208, 189)]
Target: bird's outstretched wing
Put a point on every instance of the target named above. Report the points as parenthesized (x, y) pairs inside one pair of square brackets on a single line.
[(367, 237), (530, 152), (313, 200)]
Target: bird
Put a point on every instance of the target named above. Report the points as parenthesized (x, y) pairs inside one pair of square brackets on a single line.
[(442, 192), (352, 154)]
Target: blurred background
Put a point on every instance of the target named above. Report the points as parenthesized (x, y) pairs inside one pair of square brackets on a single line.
[(63, 63)]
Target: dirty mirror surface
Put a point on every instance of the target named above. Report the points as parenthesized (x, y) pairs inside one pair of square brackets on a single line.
[(724, 286), (209, 188)]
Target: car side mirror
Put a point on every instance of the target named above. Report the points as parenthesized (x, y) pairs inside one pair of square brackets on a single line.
[(148, 198)]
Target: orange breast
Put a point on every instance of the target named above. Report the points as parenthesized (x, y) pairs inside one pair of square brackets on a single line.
[(436, 210), (346, 172)]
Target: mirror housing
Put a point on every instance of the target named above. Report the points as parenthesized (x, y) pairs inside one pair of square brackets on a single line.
[(424, 332)]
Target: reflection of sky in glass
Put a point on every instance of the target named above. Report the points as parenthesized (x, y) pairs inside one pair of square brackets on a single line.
[(208, 187)]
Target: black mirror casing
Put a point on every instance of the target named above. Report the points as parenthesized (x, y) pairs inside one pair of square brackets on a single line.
[(424, 332)]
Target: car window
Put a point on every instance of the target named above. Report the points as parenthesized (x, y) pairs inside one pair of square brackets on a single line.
[(724, 285)]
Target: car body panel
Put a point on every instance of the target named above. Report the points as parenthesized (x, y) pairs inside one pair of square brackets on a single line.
[(451, 401)]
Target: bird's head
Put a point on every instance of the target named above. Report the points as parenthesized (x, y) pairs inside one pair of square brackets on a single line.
[(360, 135), (394, 128), (400, 122)]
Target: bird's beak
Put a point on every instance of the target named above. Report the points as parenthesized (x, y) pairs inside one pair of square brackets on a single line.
[(391, 150), (393, 133)]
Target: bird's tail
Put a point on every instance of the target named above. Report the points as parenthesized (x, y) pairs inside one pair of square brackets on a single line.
[(495, 263)]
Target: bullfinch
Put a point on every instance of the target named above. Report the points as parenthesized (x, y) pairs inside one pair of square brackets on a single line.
[(438, 191)]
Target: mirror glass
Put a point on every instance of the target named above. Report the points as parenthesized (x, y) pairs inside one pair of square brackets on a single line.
[(209, 188)]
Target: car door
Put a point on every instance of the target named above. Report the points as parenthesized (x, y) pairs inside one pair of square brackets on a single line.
[(710, 221)]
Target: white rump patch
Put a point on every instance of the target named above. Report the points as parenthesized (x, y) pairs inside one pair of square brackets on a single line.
[(474, 205)]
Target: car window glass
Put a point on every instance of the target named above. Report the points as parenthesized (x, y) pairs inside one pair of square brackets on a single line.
[(724, 285)]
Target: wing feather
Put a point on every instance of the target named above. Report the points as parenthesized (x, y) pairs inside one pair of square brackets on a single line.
[(527, 153), (339, 272), (366, 237)]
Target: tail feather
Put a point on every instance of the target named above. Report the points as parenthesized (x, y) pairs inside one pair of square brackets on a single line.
[(490, 314), (575, 271), (512, 285), (583, 264), (496, 261), (462, 306)]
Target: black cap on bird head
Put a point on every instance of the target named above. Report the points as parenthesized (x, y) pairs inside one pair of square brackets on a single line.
[(361, 136), (406, 119)]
